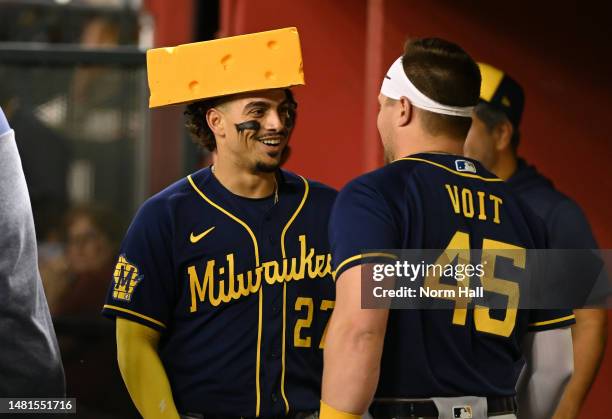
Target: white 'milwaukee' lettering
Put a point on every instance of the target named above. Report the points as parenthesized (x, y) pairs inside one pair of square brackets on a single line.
[(235, 286)]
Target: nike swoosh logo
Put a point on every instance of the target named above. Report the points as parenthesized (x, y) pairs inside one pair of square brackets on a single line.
[(194, 239)]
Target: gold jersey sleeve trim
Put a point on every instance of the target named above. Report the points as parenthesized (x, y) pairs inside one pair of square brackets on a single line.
[(134, 313), (362, 256), (553, 321)]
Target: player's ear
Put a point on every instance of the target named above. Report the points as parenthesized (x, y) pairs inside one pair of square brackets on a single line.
[(405, 112), (503, 135), (214, 119)]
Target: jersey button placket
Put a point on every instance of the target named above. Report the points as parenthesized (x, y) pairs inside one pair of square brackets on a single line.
[(272, 240)]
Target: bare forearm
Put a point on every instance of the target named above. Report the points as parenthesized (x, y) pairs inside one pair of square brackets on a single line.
[(143, 371), (589, 340), (352, 365)]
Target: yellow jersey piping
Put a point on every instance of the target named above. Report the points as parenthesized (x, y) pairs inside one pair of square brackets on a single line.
[(364, 255), (284, 251), (133, 313), (470, 175), (559, 320), (259, 325)]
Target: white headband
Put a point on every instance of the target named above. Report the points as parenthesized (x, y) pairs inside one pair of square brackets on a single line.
[(396, 84)]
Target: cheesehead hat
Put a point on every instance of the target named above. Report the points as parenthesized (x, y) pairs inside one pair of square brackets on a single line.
[(201, 70)]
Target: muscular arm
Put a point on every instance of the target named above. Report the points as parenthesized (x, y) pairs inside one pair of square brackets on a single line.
[(589, 340), (353, 350), (549, 366), (142, 370)]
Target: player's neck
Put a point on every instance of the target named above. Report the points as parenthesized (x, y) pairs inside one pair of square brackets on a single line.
[(429, 145), (244, 183), (506, 165)]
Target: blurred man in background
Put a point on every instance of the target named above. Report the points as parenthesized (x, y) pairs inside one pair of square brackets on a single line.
[(75, 284), (76, 281), (493, 140)]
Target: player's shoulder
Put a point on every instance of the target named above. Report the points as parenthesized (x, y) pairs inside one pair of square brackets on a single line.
[(316, 190), (378, 181), (537, 190), (372, 190), (549, 203), (164, 203), (370, 180)]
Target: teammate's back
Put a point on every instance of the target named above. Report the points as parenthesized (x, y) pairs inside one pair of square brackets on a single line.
[(440, 201), (429, 197), (443, 194)]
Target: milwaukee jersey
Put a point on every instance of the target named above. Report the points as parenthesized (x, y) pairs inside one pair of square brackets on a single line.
[(241, 291)]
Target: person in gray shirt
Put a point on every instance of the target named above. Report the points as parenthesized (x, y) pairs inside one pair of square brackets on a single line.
[(30, 362), (493, 140)]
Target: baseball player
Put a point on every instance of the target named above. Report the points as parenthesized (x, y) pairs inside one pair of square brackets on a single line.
[(223, 288), (493, 140), (431, 363)]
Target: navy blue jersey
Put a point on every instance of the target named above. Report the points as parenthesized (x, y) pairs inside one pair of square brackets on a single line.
[(241, 291), (437, 201)]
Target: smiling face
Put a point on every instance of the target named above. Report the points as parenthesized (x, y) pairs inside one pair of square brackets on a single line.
[(253, 129)]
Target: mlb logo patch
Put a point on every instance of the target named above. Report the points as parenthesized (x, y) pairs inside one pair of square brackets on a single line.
[(462, 412), (465, 166)]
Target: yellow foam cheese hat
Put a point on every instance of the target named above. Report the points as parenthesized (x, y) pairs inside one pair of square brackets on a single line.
[(245, 63)]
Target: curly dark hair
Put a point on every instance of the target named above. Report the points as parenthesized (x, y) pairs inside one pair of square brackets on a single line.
[(196, 124)]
